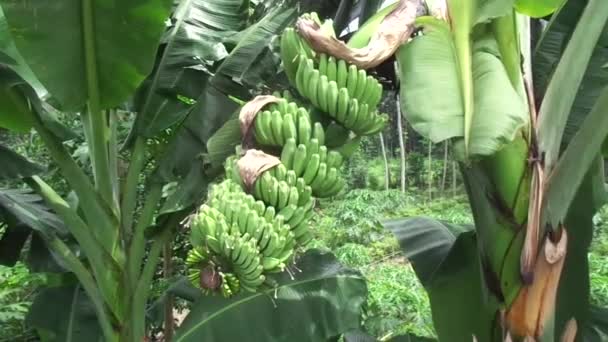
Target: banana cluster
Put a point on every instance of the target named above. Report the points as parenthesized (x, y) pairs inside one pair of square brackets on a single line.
[(347, 94), (249, 229), (303, 151), (240, 237)]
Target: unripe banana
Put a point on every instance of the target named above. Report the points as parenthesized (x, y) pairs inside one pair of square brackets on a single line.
[(299, 163), (289, 127), (342, 74), (353, 113), (343, 103), (319, 178), (318, 133), (332, 69), (361, 80), (332, 99), (288, 153), (284, 190), (322, 64), (312, 147), (304, 129), (352, 79), (291, 178), (277, 128), (334, 159), (323, 93), (323, 154), (312, 168), (313, 86)]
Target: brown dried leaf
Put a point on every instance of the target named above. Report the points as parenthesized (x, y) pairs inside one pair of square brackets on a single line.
[(253, 164), (529, 251), (395, 30), (250, 110), (439, 10), (570, 331), (535, 303)]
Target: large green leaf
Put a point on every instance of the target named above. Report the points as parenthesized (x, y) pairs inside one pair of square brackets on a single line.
[(321, 301), (548, 53), (537, 8), (102, 49), (573, 293), (15, 108), (192, 42), (64, 314), (16, 166), (425, 243), (252, 60), (453, 279), (21, 212), (575, 161), (428, 65), (14, 58), (566, 79), (596, 329)]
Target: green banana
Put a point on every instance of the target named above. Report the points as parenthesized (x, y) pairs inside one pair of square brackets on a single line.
[(283, 195), (352, 79), (313, 86), (288, 211), (322, 64), (342, 74), (294, 196), (299, 162), (319, 178), (318, 133), (291, 178), (287, 155), (289, 127), (322, 92), (312, 168), (332, 99), (353, 113), (343, 102), (361, 80), (265, 122), (302, 65), (323, 154), (330, 180), (334, 159), (304, 129), (312, 147), (332, 69), (277, 127)]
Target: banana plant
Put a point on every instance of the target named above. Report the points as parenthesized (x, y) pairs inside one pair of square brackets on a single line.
[(528, 133), (182, 69)]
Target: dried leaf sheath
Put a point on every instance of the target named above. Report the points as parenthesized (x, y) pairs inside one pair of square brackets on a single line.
[(394, 30)]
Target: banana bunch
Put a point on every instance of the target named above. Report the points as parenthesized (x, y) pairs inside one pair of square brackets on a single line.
[(285, 120), (315, 165), (348, 94), (288, 125), (344, 92), (251, 228), (241, 237)]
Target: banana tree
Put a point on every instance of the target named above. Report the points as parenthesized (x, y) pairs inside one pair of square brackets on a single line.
[(183, 69), (528, 133)]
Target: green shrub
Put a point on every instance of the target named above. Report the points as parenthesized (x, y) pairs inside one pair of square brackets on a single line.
[(17, 290), (397, 303)]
